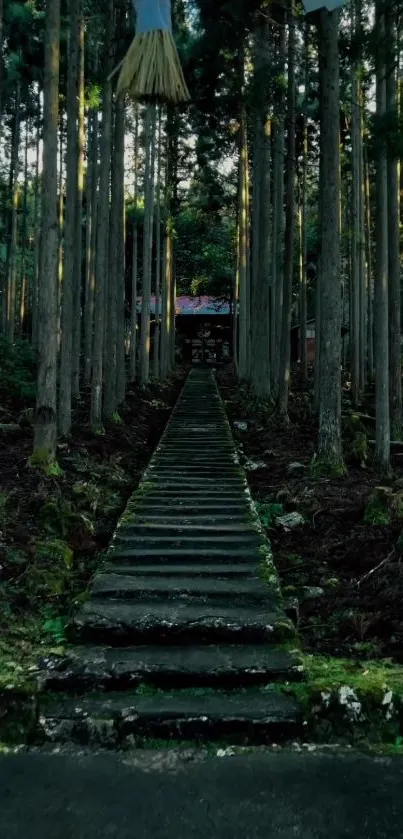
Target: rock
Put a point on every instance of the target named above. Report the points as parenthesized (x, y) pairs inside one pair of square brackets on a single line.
[(310, 592), (332, 583), (252, 466), (240, 425), (295, 467), (290, 521)]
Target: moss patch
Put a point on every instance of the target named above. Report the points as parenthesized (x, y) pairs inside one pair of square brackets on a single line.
[(351, 700)]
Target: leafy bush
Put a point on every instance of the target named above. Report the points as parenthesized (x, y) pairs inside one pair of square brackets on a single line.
[(18, 369), (269, 512)]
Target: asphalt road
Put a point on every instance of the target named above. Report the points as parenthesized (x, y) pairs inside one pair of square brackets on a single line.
[(160, 796)]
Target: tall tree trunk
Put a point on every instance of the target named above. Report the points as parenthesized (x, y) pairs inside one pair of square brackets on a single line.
[(278, 212), (110, 403), (356, 263), (329, 442), (382, 434), (368, 259), (114, 284), (244, 285), (90, 239), (46, 418), (133, 322), (303, 309), (147, 243), (61, 208), (260, 297), (395, 364), (166, 297), (174, 134), (77, 290), (12, 252), (70, 264), (37, 230), (101, 266), (235, 301), (1, 66), (24, 302), (284, 377), (121, 267), (156, 357)]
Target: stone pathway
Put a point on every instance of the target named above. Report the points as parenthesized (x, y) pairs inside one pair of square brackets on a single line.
[(183, 636)]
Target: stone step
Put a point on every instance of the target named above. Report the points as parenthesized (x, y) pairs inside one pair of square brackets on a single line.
[(193, 470), (223, 571), (112, 585), (176, 462), (212, 495), (228, 665), (199, 447), (250, 716), (177, 518), (183, 538), (183, 554), (197, 512), (151, 622), (181, 526), (183, 482)]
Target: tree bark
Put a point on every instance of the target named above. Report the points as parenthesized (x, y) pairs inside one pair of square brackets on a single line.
[(278, 212), (77, 290), (24, 291), (37, 230), (395, 365), (150, 126), (260, 293), (46, 419), (70, 264), (121, 287), (382, 436), (157, 327), (244, 279), (329, 442), (133, 323), (284, 369), (370, 279), (12, 251), (90, 239), (303, 311), (114, 283), (101, 265)]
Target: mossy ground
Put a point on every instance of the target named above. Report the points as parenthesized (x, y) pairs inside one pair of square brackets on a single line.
[(56, 525)]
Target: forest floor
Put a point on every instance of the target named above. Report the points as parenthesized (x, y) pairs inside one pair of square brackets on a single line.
[(344, 562), (55, 528)]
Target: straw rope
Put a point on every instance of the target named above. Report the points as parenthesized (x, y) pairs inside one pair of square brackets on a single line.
[(151, 69)]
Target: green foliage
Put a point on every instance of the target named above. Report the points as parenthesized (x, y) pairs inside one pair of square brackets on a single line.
[(4, 500), (368, 677), (49, 574), (207, 253), (268, 512), (18, 369), (327, 467), (40, 460), (377, 510), (55, 627), (60, 516), (355, 440)]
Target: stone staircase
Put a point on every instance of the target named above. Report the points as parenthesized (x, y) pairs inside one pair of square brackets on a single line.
[(184, 635)]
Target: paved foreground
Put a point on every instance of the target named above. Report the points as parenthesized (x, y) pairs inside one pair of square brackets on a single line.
[(160, 796)]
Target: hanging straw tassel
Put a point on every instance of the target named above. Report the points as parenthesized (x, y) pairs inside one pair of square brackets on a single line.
[(151, 68)]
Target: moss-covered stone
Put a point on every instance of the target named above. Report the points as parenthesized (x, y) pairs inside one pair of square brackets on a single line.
[(350, 700), (328, 467)]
